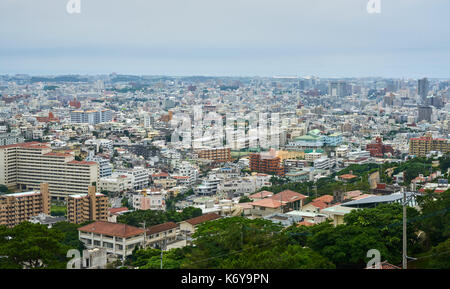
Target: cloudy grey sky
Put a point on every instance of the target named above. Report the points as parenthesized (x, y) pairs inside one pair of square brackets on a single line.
[(328, 38)]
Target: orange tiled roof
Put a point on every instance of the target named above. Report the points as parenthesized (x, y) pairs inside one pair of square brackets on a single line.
[(348, 176), (203, 218), (288, 196), (112, 229), (264, 194), (161, 228), (325, 199), (267, 203)]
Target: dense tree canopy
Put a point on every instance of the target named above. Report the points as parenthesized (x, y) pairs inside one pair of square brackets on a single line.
[(30, 245), (152, 217)]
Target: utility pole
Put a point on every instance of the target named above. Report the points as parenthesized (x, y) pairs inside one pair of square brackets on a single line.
[(145, 236), (404, 230), (163, 243)]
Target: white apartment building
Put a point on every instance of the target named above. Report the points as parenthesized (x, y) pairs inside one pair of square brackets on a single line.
[(10, 138), (25, 166), (186, 169), (105, 167), (116, 183), (139, 177), (324, 163), (358, 154), (147, 200), (312, 156), (91, 116), (208, 187)]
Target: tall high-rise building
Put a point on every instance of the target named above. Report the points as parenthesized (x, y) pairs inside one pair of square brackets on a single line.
[(92, 206), (423, 87), (339, 89), (25, 166), (20, 207), (425, 113)]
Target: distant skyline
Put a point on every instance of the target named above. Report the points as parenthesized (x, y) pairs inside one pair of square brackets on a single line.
[(326, 38)]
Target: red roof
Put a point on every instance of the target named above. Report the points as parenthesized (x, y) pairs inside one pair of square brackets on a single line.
[(118, 210), (305, 223), (112, 229), (326, 199), (203, 218), (258, 195), (319, 204), (267, 203), (348, 176), (161, 228), (288, 196), (33, 144)]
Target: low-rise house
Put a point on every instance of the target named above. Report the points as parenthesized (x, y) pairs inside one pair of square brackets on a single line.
[(162, 234), (113, 213), (45, 219), (337, 213), (291, 200), (117, 239), (266, 207), (189, 226), (261, 195), (285, 220), (315, 218)]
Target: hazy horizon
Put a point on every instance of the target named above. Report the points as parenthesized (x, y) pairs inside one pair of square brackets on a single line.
[(235, 38)]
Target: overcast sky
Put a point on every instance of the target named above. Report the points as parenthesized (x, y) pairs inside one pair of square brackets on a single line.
[(328, 38)]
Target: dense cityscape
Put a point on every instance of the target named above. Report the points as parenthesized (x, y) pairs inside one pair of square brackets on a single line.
[(194, 172)]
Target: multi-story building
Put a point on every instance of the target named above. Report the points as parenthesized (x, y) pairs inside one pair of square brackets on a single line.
[(139, 177), (215, 154), (87, 207), (104, 166), (323, 163), (425, 113), (422, 89), (378, 149), (9, 139), (148, 200), (423, 145), (116, 183), (20, 207), (208, 187), (91, 116), (333, 139), (162, 234), (25, 166), (118, 239), (266, 163)]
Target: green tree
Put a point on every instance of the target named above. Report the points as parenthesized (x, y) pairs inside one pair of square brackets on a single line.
[(70, 234), (435, 217), (245, 199), (30, 245), (439, 258)]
